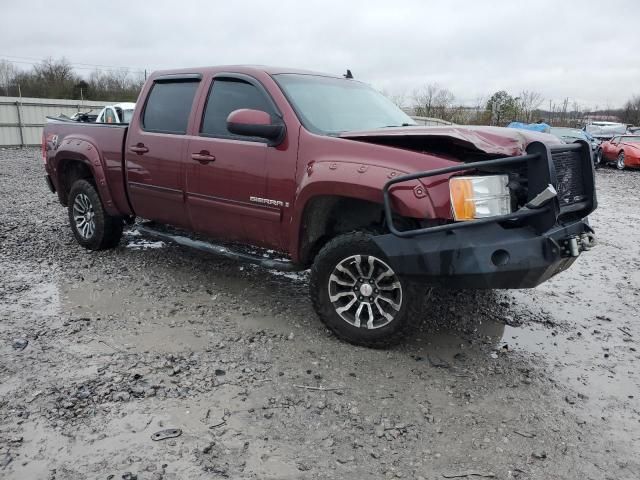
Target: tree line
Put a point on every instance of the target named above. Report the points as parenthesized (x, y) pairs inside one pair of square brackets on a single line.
[(57, 79), (501, 108)]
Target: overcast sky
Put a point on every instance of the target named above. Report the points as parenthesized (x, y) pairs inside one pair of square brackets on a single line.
[(586, 50)]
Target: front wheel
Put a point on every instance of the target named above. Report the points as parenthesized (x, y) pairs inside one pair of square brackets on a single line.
[(620, 162), (93, 228), (359, 297)]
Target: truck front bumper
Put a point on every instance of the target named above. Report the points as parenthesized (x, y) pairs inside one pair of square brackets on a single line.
[(487, 256)]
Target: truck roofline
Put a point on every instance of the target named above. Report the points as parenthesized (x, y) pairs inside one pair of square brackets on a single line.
[(247, 69)]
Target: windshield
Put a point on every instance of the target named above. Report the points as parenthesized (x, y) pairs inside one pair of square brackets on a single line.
[(631, 139), (333, 105), (127, 116)]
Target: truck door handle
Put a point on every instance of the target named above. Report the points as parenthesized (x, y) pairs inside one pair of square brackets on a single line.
[(139, 148), (203, 157)]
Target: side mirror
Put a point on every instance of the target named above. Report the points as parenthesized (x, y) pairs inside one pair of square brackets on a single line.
[(255, 123)]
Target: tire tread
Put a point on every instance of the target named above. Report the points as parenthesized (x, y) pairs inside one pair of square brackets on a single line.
[(361, 240)]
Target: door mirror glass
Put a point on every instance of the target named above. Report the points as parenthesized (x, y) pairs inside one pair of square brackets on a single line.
[(255, 123)]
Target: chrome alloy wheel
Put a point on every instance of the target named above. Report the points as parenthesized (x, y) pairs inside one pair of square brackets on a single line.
[(620, 162), (365, 291), (83, 215)]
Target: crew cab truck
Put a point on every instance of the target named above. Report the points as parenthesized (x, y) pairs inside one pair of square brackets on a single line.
[(329, 172)]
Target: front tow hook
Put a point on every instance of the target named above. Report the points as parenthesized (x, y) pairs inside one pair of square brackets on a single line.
[(588, 241)]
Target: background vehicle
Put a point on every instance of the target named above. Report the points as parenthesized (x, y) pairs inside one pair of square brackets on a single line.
[(84, 117), (118, 113), (536, 127), (624, 150), (606, 129), (570, 135), (332, 174)]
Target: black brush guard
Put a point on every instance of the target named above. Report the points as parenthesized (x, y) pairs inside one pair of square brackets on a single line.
[(518, 250)]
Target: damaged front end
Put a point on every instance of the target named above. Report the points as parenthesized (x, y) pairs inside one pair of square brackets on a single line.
[(552, 192)]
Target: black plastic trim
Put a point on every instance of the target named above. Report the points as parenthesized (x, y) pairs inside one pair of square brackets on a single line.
[(50, 184), (488, 256), (178, 77)]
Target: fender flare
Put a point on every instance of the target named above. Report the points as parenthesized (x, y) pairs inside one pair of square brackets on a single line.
[(83, 150), (359, 182)]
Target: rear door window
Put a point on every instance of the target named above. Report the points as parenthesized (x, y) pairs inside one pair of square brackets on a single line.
[(227, 95), (169, 106)]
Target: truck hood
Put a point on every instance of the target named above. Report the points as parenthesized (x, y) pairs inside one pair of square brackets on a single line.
[(461, 142)]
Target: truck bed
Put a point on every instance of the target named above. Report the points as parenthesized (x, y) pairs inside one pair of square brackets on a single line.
[(104, 144)]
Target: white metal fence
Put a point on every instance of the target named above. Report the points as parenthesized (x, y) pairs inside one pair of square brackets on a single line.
[(22, 119)]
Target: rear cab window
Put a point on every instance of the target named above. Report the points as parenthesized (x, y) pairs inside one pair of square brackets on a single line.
[(168, 106), (109, 117)]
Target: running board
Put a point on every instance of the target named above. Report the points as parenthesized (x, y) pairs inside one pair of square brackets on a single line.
[(283, 265)]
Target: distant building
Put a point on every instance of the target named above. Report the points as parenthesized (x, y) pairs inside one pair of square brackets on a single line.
[(596, 117)]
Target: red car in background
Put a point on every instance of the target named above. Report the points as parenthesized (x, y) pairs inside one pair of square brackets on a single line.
[(622, 149)]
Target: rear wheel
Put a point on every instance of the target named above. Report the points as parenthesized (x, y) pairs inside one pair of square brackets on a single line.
[(620, 162), (93, 228), (358, 295)]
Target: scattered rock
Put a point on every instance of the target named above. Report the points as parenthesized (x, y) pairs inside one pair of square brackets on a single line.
[(20, 343)]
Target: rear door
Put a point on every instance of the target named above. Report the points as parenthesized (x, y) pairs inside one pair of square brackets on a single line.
[(226, 174), (155, 150)]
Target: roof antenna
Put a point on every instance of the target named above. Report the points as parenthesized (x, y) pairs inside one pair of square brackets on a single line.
[(348, 74)]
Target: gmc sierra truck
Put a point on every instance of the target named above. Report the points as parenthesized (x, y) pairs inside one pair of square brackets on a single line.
[(328, 172)]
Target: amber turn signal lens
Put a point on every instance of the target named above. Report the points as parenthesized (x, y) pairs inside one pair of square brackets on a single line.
[(462, 200)]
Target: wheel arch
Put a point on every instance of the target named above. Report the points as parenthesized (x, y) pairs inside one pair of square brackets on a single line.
[(330, 192), (76, 159), (326, 216)]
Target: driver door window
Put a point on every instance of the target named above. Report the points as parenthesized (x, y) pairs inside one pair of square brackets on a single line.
[(225, 97)]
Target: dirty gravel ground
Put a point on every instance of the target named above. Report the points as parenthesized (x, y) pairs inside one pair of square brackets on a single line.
[(532, 384)]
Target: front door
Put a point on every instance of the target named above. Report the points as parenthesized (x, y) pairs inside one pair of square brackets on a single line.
[(226, 174), (609, 150)]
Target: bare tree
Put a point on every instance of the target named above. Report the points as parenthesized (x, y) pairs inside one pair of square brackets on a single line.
[(631, 111), (563, 112), (528, 103), (399, 98), (433, 101), (7, 75)]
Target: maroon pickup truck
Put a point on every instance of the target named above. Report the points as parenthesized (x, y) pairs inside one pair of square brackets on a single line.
[(327, 171)]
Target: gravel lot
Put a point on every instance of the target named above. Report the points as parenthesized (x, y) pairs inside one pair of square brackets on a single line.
[(98, 351)]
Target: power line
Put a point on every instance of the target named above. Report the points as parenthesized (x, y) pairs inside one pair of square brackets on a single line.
[(75, 65)]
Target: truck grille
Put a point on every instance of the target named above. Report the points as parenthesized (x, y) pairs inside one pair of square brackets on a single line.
[(570, 178)]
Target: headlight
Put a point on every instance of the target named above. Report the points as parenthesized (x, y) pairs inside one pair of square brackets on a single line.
[(479, 197)]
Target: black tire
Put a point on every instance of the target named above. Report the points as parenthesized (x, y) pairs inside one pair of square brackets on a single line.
[(598, 160), (106, 231), (340, 249), (620, 165)]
